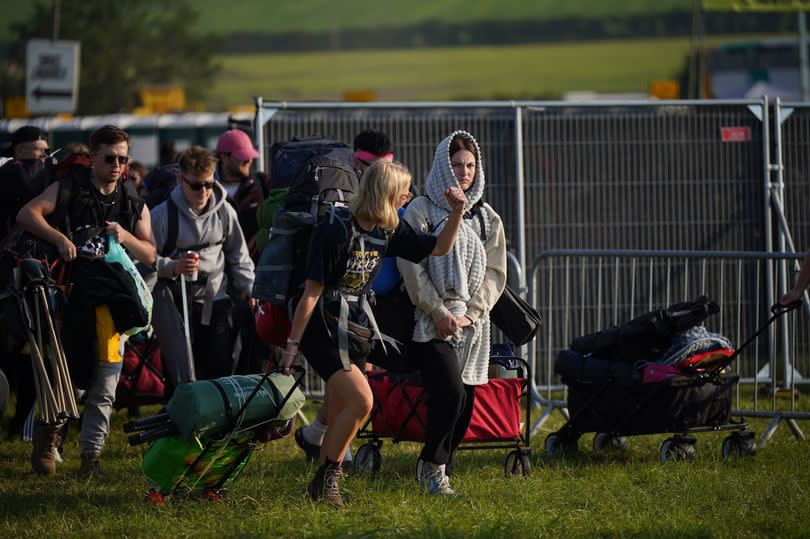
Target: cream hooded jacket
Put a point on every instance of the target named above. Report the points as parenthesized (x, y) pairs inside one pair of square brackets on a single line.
[(470, 279)]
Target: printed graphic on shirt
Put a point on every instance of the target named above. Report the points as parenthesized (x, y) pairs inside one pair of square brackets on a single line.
[(359, 269), (95, 246)]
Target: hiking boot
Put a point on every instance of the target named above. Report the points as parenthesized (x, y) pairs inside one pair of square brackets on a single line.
[(433, 480), (324, 486), (312, 451), (43, 453), (90, 467)]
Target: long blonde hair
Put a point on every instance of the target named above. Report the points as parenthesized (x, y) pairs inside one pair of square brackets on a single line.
[(378, 198)]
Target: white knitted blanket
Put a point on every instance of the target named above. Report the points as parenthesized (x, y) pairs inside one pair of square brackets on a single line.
[(458, 275)]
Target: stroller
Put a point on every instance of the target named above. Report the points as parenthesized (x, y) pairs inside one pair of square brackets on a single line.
[(209, 431), (400, 413), (615, 399)]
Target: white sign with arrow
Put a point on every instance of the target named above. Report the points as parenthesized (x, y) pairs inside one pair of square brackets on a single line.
[(52, 76)]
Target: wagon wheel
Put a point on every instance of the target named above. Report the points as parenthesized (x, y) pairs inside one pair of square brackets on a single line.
[(602, 441), (368, 459), (678, 448), (214, 494), (517, 464), (153, 497), (558, 446), (739, 445)]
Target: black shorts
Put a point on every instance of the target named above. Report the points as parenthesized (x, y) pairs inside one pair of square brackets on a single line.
[(320, 349)]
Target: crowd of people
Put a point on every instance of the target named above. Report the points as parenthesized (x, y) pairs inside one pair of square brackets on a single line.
[(436, 264)]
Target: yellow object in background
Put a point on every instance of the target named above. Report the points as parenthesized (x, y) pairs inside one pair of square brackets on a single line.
[(665, 89), (108, 338)]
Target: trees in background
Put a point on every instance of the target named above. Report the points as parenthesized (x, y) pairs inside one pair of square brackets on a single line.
[(124, 45)]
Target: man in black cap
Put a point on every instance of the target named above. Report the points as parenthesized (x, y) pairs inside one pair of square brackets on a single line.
[(25, 176), (22, 177)]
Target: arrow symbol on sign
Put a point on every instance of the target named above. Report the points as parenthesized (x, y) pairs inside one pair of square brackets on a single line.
[(40, 93)]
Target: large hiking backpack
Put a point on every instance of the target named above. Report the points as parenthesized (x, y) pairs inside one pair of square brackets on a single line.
[(70, 172), (287, 159), (324, 180)]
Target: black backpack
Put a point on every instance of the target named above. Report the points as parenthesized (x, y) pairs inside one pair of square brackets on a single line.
[(320, 177), (287, 159)]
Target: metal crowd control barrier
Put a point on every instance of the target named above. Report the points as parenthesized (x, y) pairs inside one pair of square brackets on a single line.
[(604, 175), (583, 291)]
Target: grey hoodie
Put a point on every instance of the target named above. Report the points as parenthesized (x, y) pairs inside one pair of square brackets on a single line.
[(226, 258)]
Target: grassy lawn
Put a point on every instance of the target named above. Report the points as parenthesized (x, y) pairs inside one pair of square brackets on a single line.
[(316, 15), (506, 72), (614, 494)]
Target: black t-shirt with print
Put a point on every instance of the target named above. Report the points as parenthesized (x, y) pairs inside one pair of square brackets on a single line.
[(336, 265)]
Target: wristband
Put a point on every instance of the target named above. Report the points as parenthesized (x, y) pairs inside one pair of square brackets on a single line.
[(293, 341)]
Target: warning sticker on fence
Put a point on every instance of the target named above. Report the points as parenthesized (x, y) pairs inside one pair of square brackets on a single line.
[(735, 134)]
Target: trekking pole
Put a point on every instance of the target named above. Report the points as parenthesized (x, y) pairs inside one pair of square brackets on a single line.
[(186, 332)]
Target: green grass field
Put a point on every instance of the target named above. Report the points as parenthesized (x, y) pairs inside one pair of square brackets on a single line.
[(508, 72), (628, 493), (316, 15)]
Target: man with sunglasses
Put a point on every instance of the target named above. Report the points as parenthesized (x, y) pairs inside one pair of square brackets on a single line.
[(93, 204), (197, 219)]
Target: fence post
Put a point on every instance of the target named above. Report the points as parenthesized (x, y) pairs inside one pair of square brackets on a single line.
[(520, 214), (258, 132)]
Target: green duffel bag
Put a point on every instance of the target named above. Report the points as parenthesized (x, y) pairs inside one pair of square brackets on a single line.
[(209, 407)]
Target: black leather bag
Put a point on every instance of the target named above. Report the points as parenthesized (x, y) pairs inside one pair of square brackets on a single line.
[(516, 319)]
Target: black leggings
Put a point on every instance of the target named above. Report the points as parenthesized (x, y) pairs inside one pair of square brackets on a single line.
[(213, 344), (450, 401)]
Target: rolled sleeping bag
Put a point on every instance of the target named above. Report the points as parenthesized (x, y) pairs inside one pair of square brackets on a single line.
[(209, 407)]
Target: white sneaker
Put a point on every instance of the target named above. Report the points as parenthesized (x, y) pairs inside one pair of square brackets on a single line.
[(433, 480)]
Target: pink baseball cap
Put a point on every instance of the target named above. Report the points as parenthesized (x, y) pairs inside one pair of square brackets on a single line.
[(238, 144)]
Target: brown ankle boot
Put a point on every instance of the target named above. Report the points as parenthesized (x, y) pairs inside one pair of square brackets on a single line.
[(90, 466), (45, 443), (325, 485)]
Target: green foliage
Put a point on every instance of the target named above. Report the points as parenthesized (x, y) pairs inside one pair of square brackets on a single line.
[(626, 493), (123, 46)]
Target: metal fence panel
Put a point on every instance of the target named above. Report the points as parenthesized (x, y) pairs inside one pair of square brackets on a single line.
[(644, 177), (795, 141), (584, 291)]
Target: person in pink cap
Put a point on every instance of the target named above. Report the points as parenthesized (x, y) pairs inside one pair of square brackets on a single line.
[(236, 154), (244, 193)]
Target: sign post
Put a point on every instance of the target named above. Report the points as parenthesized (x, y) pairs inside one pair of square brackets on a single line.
[(52, 76)]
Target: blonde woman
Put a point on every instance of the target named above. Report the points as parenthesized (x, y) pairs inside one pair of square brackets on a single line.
[(344, 255)]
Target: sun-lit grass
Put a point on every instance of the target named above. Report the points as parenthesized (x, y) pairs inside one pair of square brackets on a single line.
[(506, 72), (317, 16), (615, 494)]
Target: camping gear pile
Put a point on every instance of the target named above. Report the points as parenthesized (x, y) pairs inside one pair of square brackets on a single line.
[(662, 372), (210, 428)]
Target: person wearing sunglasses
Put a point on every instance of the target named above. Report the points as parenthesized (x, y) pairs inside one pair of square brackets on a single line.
[(77, 214), (197, 219)]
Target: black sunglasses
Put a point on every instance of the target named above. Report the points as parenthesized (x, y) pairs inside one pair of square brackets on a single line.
[(198, 186), (120, 159)]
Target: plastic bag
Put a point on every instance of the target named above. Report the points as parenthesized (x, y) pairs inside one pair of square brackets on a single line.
[(117, 254)]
